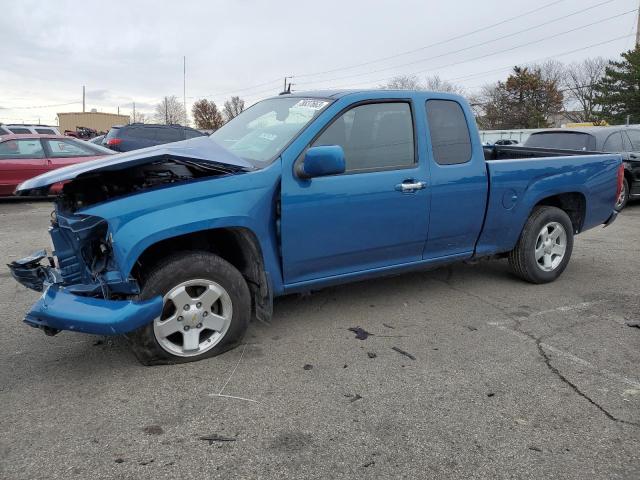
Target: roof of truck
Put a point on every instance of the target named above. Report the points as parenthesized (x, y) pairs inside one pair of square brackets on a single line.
[(341, 93)]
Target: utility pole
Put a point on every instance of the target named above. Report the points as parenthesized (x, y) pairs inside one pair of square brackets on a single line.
[(166, 112), (638, 30), (184, 86), (83, 97), (134, 112), (118, 109)]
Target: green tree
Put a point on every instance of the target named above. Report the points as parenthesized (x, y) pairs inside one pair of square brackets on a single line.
[(525, 100), (618, 93)]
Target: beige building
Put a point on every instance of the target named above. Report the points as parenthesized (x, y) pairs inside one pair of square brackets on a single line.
[(99, 121)]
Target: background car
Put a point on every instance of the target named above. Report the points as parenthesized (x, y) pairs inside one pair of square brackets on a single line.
[(619, 139), (124, 138), (26, 156), (19, 128), (506, 141), (97, 140)]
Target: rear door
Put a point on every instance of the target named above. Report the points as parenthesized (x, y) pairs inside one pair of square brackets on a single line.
[(20, 159), (458, 184), (61, 152), (362, 219)]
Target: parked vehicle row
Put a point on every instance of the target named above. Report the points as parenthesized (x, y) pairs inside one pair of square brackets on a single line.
[(124, 138), (19, 129), (26, 156), (178, 246)]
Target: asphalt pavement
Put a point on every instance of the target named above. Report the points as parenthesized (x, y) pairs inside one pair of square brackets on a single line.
[(467, 372)]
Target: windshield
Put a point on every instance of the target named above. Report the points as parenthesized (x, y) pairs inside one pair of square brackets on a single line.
[(562, 140), (261, 132)]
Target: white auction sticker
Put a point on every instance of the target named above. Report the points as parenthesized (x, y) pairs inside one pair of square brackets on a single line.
[(311, 103)]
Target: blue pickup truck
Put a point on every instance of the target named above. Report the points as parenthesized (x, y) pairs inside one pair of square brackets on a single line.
[(179, 246)]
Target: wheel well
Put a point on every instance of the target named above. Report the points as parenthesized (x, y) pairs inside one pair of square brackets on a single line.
[(238, 246), (628, 177), (574, 204)]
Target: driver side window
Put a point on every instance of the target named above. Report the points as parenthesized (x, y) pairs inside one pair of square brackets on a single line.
[(373, 136)]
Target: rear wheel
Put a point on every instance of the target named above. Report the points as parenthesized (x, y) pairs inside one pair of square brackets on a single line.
[(206, 310), (544, 247), (623, 198)]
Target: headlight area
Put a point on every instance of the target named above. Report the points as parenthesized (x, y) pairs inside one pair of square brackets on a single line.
[(83, 256)]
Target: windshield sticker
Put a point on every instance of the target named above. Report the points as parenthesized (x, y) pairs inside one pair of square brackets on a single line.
[(311, 103), (268, 136)]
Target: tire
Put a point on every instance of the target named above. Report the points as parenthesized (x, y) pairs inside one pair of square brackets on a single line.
[(212, 310), (622, 200), (538, 257)]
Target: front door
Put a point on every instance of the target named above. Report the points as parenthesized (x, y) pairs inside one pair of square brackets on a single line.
[(363, 219), (20, 159)]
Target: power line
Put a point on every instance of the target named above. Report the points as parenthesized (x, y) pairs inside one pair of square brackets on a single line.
[(541, 59), (500, 51), (491, 41), (442, 42)]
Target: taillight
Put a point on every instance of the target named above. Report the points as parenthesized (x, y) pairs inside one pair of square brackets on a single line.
[(112, 142), (620, 180)]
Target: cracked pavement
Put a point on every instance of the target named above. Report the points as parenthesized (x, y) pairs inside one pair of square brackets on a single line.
[(510, 380)]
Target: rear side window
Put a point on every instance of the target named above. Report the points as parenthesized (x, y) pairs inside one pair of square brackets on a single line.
[(169, 134), (373, 136), (613, 143), (190, 133), (22, 148), (450, 138), (562, 140), (45, 131), (59, 148), (634, 136), (19, 130), (148, 133)]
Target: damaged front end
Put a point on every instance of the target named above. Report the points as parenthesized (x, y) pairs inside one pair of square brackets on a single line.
[(83, 289)]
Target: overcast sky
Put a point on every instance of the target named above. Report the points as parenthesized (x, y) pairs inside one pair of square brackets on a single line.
[(132, 50)]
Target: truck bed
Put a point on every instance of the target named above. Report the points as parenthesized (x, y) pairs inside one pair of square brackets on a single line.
[(512, 152)]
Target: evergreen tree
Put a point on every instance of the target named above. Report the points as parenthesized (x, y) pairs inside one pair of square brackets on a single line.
[(618, 93)]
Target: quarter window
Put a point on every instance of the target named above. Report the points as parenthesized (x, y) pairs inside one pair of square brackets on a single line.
[(373, 136), (450, 139)]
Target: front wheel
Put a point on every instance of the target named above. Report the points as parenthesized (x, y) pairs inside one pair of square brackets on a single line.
[(544, 247), (206, 310)]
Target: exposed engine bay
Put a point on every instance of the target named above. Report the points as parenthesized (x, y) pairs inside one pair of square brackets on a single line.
[(95, 187)]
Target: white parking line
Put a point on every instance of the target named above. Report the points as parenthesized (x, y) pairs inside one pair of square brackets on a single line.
[(568, 308), (569, 356)]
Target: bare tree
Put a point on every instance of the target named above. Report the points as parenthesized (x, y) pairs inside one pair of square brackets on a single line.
[(436, 84), (206, 115), (170, 111), (432, 83), (233, 107), (552, 71), (139, 117), (403, 82), (580, 88)]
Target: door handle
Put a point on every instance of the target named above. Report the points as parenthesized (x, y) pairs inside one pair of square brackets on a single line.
[(409, 186)]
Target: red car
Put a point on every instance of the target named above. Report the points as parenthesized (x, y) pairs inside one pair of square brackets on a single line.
[(26, 156)]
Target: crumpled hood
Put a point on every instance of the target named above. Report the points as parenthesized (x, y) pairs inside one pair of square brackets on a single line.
[(199, 149)]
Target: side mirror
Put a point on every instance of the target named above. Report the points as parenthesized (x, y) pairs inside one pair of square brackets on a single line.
[(321, 161)]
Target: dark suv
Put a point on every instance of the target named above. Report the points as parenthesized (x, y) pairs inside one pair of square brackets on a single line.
[(619, 139), (123, 138)]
